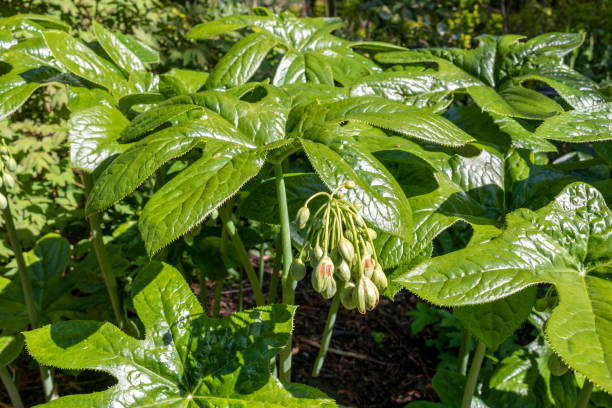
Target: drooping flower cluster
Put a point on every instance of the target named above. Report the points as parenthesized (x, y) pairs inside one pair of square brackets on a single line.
[(339, 247), (7, 166)]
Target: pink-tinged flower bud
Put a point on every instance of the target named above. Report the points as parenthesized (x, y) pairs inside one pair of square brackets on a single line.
[(322, 274), (302, 217), (368, 264), (359, 295), (343, 271), (371, 294), (330, 289), (298, 269), (379, 278), (346, 250)]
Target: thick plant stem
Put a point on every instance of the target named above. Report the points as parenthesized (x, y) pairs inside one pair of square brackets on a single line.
[(464, 351), (472, 379), (585, 394), (327, 335), (203, 292), (278, 258), (287, 281), (11, 389), (230, 227), (103, 262), (217, 299), (28, 294)]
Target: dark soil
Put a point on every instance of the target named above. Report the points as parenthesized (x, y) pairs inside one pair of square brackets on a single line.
[(358, 370)]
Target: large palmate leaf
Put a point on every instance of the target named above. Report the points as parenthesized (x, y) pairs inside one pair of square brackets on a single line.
[(495, 74), (234, 135), (337, 158), (186, 358), (567, 243), (311, 53), (53, 300)]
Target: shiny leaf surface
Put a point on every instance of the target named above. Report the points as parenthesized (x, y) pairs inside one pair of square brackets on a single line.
[(186, 358)]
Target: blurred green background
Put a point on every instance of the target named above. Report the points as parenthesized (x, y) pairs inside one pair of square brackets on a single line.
[(412, 23)]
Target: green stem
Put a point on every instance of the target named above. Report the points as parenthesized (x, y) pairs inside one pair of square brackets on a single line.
[(470, 385), (464, 351), (278, 257), (327, 335), (217, 300), (28, 294), (11, 389), (240, 292), (203, 291), (230, 227), (262, 249), (585, 394), (287, 281), (103, 260)]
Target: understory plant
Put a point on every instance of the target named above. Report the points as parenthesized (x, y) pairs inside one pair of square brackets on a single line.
[(374, 150)]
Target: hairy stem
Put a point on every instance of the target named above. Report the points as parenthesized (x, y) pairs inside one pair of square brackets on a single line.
[(470, 385), (217, 299), (11, 389), (230, 227), (327, 335), (102, 257), (278, 258), (287, 281), (28, 294), (585, 394), (464, 351)]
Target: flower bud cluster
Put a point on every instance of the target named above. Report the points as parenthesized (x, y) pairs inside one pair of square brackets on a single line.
[(8, 166), (339, 247)]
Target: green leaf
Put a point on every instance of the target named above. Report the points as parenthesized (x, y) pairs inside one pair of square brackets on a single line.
[(577, 90), (262, 205), (10, 348), (181, 81), (152, 119), (240, 63), (188, 198), (186, 358), (338, 159), (548, 44), (580, 125), (93, 135), (119, 52), (84, 62), (53, 300), (529, 103), (493, 322), (141, 159), (566, 243)]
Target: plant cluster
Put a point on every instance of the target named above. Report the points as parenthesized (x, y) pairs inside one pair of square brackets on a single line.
[(447, 172)]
